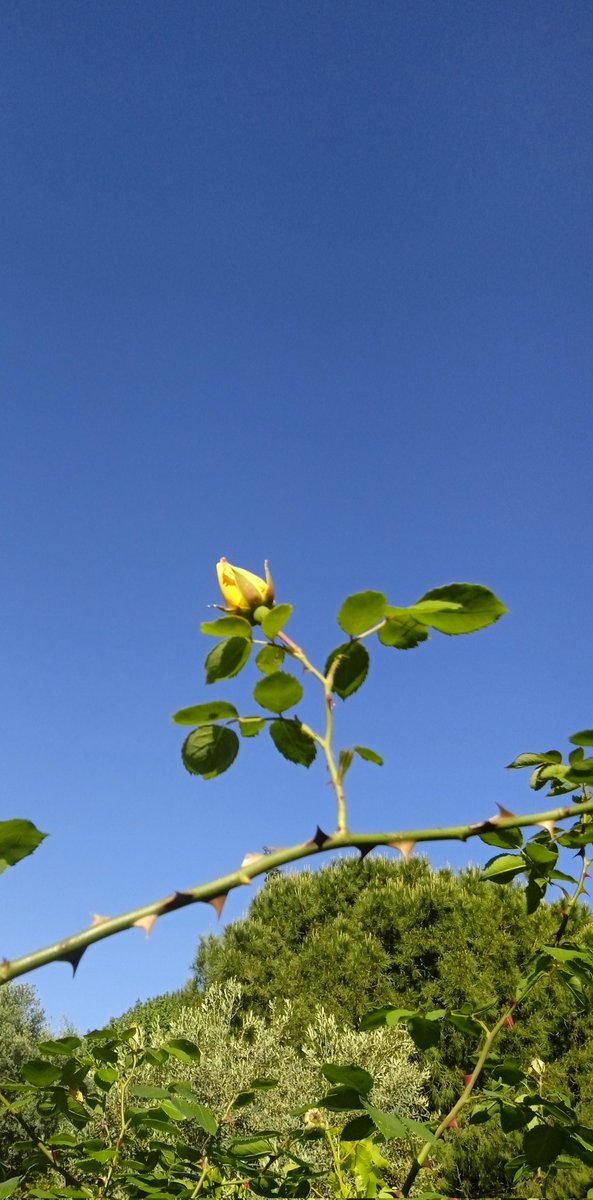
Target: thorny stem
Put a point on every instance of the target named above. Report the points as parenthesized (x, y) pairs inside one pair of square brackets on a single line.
[(70, 949), (490, 1038), (51, 1156)]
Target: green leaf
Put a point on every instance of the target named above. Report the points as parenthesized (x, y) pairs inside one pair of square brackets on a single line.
[(251, 1147), (401, 630), (183, 1049), (349, 1076), (543, 1144), (424, 1033), (479, 607), (251, 726), (541, 854), (202, 714), (339, 1099), (40, 1073), (351, 670), (149, 1091), (362, 610), (291, 740), (276, 619), (278, 691), (270, 658), (358, 1128), (508, 839), (210, 750), (369, 755), (64, 1045), (503, 867), (10, 1185), (180, 1109), (228, 627), (393, 1125), (534, 760), (465, 1023), (18, 838), (583, 738), (227, 658), (386, 1015)]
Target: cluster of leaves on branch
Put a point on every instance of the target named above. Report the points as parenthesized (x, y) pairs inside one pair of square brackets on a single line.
[(117, 1132)]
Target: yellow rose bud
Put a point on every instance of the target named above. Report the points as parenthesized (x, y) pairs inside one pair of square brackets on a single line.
[(243, 592)]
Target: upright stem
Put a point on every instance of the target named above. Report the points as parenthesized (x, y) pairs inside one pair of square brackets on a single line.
[(326, 742)]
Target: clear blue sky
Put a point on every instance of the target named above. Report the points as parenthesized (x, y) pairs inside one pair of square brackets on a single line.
[(304, 281)]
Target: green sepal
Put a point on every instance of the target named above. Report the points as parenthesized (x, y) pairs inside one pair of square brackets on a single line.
[(228, 627), (278, 691), (361, 611), (210, 750), (352, 669), (276, 619), (290, 739), (227, 659), (203, 714)]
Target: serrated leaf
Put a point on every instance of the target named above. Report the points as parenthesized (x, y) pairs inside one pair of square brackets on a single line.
[(388, 1014), (465, 1023), (351, 670), (61, 1046), (183, 1049), (357, 1129), (583, 738), (424, 1033), (507, 839), (393, 1125), (349, 1076), (290, 739), (202, 714), (251, 726), (361, 611), (228, 627), (210, 750), (276, 619), (18, 839), (10, 1185), (479, 607), (40, 1073), (369, 755), (339, 1099), (180, 1109), (535, 759), (543, 1144), (401, 631), (270, 658), (541, 854), (227, 659), (503, 867), (278, 691)]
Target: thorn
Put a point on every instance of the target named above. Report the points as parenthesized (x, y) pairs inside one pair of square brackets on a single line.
[(364, 850), (73, 957), (98, 918), (218, 903), (550, 826), (503, 812), (406, 848), (252, 857), (319, 838), (146, 923)]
